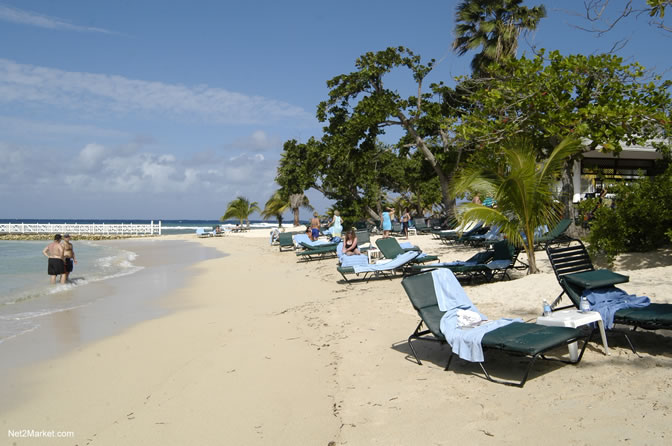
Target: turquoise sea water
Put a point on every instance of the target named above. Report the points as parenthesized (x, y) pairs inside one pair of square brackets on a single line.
[(25, 291)]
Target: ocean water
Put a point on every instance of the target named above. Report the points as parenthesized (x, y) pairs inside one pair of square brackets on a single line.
[(25, 292), (167, 226)]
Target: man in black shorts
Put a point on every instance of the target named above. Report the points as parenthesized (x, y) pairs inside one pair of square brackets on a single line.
[(56, 266)]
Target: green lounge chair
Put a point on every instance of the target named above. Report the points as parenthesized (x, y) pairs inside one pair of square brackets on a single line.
[(462, 233), (470, 268), (390, 248), (285, 241), (488, 265), (520, 339), (555, 235), (420, 225), (575, 273), (317, 253)]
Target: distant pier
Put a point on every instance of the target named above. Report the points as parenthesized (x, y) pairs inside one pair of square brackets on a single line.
[(82, 229)]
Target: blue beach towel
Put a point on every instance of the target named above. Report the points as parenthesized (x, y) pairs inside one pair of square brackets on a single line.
[(464, 342), (395, 263), (303, 238), (608, 300)]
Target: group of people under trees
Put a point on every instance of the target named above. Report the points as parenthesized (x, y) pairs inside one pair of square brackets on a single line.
[(61, 258), (350, 238), (388, 216)]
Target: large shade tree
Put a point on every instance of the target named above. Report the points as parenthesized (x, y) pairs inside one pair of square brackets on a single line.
[(296, 173), (494, 26), (356, 176), (523, 189), (360, 107)]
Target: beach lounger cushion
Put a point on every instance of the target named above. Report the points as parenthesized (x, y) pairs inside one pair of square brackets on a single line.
[(527, 339)]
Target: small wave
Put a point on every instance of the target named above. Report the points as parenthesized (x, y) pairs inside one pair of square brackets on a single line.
[(35, 314), (13, 335)]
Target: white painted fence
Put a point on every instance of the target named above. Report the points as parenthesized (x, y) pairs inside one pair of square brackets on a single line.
[(77, 228)]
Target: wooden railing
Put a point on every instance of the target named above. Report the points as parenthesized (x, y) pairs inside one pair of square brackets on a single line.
[(78, 228)]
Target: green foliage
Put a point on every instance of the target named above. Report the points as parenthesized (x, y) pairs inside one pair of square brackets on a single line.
[(360, 108), (275, 207), (587, 208), (550, 97), (640, 219), (240, 208), (658, 7), (522, 189), (494, 26)]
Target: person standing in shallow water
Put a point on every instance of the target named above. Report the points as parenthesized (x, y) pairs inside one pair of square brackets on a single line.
[(69, 257), (56, 259)]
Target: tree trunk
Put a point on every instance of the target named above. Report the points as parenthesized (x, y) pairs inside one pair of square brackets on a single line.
[(296, 216), (444, 181)]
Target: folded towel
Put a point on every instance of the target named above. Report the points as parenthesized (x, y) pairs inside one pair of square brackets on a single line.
[(467, 318)]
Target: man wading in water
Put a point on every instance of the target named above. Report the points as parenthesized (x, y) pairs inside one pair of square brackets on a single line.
[(55, 253)]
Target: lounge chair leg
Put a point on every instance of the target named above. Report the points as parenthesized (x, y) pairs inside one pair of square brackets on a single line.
[(632, 347), (415, 355), (450, 358), (557, 300)]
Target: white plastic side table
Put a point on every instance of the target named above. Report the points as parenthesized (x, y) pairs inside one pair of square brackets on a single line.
[(373, 253), (574, 319)]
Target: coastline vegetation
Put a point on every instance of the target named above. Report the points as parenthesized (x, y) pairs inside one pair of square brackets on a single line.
[(511, 114)]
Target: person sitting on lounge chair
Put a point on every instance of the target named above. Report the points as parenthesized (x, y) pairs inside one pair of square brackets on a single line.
[(350, 243)]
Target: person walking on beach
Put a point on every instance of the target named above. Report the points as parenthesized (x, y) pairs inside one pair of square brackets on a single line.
[(387, 222), (56, 260), (315, 226), (69, 256)]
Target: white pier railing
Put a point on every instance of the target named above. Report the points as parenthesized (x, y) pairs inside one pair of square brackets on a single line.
[(79, 228)]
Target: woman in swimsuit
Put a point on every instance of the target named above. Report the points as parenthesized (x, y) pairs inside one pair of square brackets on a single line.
[(388, 215), (350, 243), (69, 255)]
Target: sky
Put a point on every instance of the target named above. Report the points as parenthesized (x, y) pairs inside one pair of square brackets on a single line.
[(143, 109)]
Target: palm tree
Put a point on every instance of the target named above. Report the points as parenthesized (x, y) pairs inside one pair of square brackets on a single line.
[(275, 207), (240, 208), (297, 201), (523, 190), (493, 25)]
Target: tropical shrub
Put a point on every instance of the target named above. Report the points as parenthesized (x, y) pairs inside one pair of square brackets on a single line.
[(639, 220)]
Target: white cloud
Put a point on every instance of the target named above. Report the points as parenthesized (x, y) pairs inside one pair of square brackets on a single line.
[(101, 175), (103, 94), (14, 15), (45, 130)]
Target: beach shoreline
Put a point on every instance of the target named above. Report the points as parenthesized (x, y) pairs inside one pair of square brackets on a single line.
[(259, 348)]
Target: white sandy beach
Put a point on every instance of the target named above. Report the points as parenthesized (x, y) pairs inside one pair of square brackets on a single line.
[(261, 349)]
